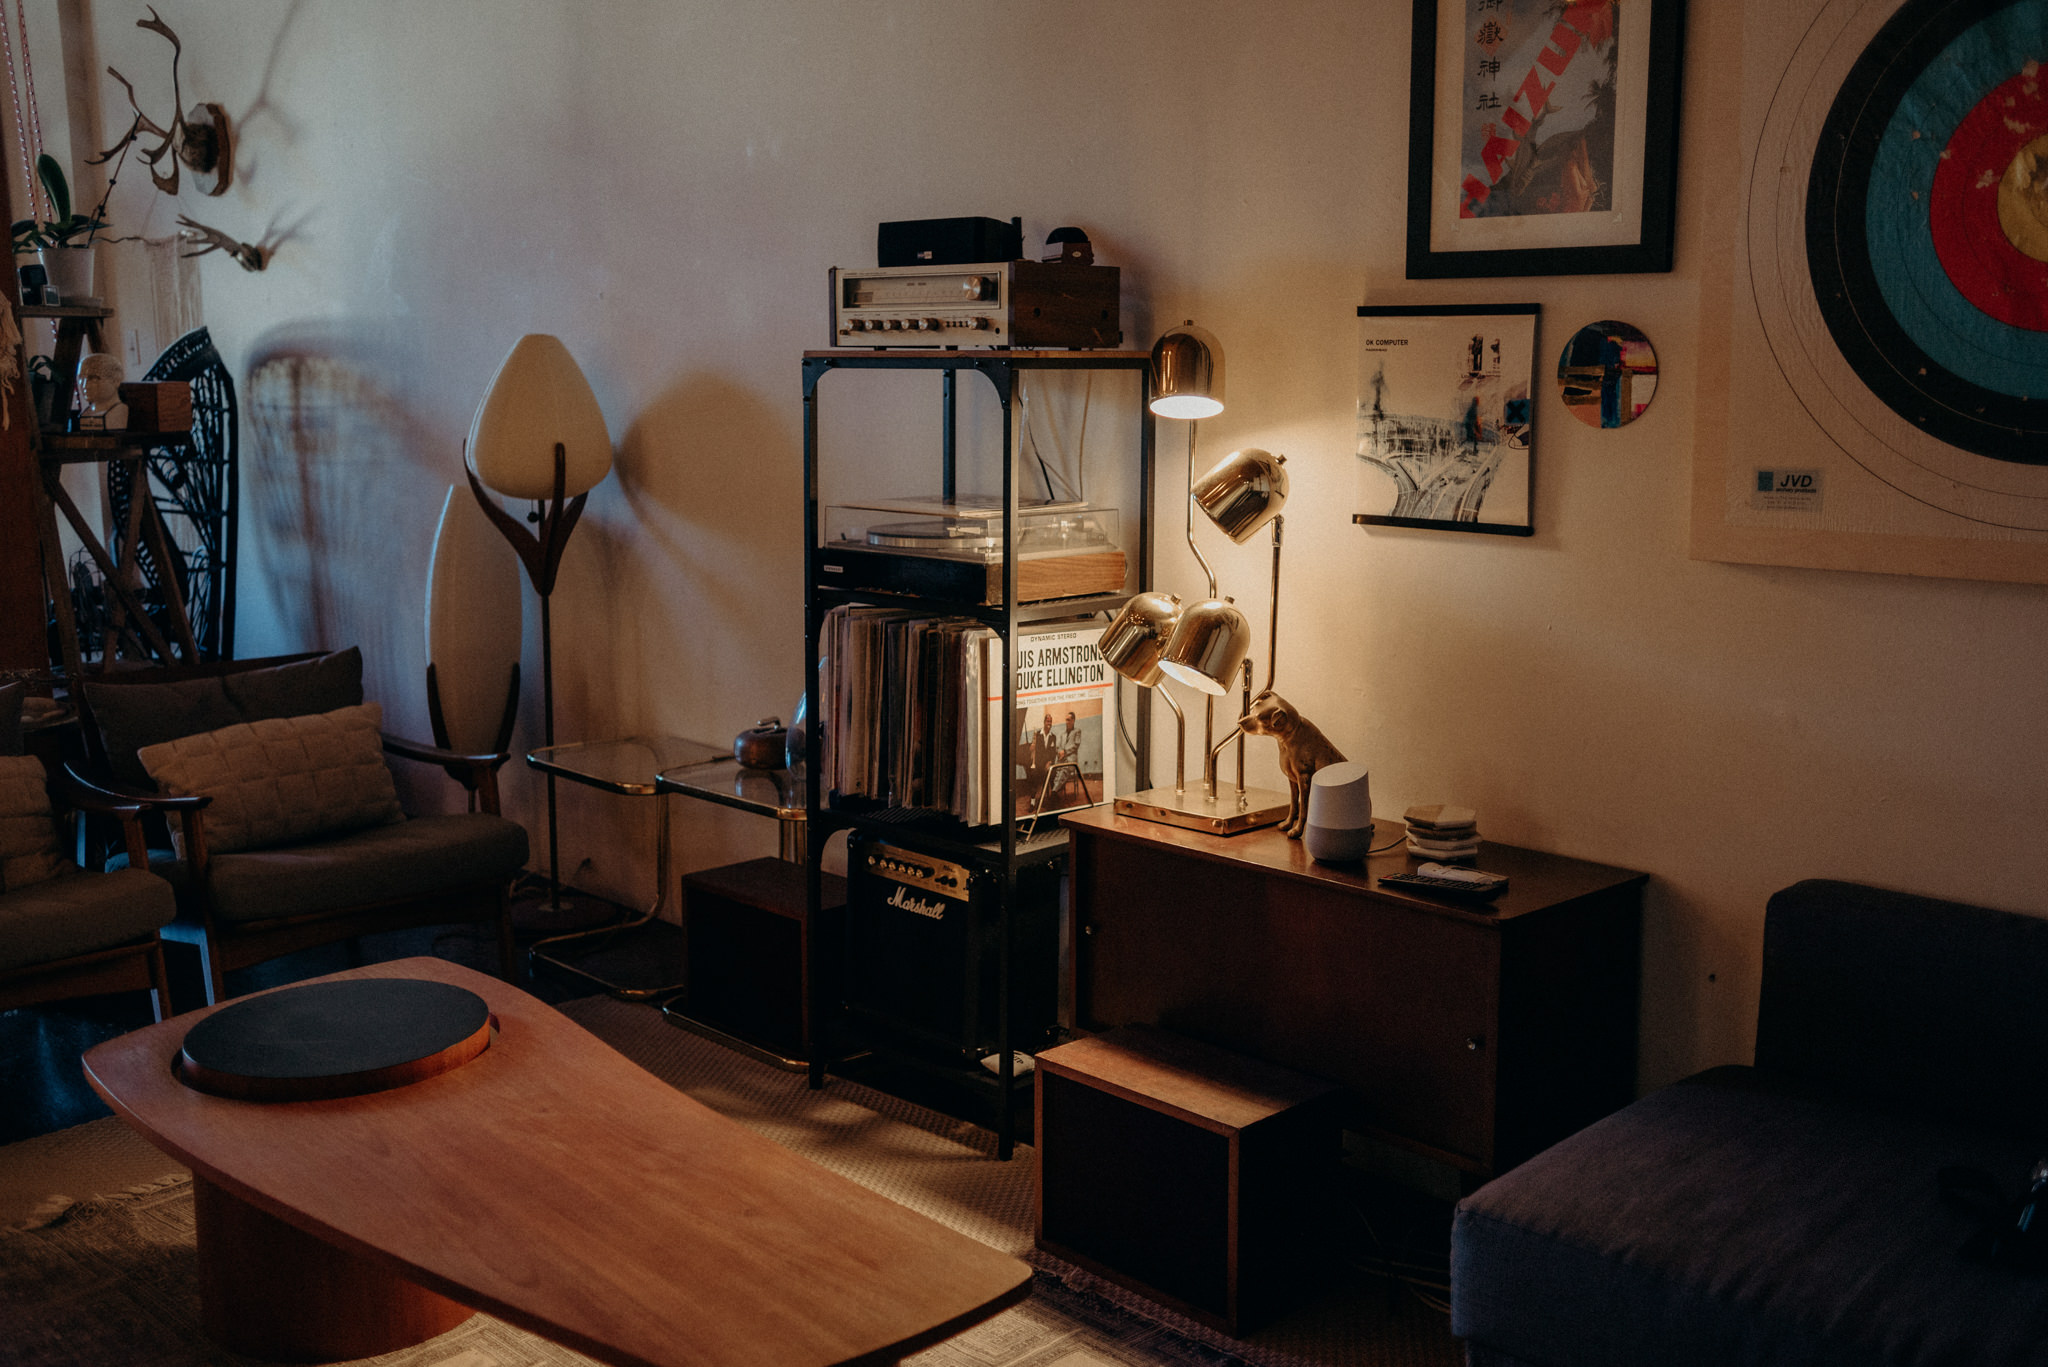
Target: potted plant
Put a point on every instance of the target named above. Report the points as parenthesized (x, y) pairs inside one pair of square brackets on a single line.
[(64, 243)]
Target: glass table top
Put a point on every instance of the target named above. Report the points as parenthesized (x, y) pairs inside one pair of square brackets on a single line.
[(627, 766), (770, 792)]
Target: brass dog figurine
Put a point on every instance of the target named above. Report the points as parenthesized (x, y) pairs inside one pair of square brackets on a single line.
[(1303, 750)]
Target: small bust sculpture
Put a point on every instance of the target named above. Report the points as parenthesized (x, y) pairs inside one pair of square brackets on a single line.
[(100, 376)]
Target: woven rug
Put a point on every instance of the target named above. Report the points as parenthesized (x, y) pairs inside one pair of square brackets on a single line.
[(112, 1279)]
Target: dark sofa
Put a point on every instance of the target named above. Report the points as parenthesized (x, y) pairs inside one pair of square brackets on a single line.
[(1791, 1212)]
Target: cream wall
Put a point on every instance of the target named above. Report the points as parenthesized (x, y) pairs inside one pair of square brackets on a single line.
[(663, 186)]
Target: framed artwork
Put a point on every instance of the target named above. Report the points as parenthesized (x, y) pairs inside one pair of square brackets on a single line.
[(1543, 137), (1884, 352), (1447, 417)]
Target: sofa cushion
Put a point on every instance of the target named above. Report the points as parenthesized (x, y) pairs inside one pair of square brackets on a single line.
[(76, 913), (1742, 1217), (28, 832), (284, 779), (1848, 1000), (299, 687), (129, 716), (416, 857)]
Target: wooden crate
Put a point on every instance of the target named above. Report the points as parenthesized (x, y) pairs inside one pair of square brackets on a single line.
[(749, 951), (158, 405), (1197, 1177)]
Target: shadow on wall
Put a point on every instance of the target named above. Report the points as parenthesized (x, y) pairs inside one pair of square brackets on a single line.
[(712, 476), (343, 490)]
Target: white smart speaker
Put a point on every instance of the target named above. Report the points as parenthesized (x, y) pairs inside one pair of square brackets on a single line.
[(1339, 827)]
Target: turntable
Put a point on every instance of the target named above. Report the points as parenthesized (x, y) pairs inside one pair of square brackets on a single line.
[(954, 550)]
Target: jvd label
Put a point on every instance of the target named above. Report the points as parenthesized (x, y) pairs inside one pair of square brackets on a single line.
[(1786, 491)]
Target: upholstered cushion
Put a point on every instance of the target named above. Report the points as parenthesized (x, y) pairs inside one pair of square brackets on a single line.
[(130, 716), (284, 779), (1740, 1217), (28, 833), (77, 913), (11, 697), (299, 688), (413, 858), (1851, 997)]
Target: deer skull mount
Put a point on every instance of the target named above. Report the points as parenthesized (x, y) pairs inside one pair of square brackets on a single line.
[(198, 139)]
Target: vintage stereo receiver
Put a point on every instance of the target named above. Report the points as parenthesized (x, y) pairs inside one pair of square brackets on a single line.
[(923, 962), (1020, 304)]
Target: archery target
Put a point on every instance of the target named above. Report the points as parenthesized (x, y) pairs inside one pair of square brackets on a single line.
[(1897, 246)]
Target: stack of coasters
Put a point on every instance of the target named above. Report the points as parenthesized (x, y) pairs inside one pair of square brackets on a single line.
[(1437, 830)]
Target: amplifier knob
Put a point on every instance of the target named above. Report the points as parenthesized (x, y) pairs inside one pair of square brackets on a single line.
[(897, 325), (859, 325), (931, 324), (982, 324)]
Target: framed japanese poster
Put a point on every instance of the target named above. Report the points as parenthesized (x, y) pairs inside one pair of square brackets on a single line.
[(1446, 417), (1543, 137), (1883, 351)]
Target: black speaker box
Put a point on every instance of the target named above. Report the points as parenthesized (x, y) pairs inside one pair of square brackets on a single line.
[(948, 241)]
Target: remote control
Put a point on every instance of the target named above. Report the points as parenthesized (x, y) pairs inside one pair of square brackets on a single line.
[(1484, 885)]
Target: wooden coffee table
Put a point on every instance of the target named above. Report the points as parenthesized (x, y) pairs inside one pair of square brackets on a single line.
[(552, 1183)]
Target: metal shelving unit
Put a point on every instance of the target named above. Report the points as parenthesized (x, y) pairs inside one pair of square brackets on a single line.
[(1009, 851)]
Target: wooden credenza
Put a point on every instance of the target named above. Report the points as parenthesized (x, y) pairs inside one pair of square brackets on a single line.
[(1472, 1032)]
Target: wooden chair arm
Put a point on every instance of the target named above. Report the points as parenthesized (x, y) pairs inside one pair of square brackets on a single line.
[(478, 773), (80, 790), (433, 754), (128, 804)]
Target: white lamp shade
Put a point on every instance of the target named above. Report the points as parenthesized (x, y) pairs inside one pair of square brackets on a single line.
[(538, 398)]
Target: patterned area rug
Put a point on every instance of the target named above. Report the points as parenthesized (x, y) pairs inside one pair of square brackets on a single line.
[(113, 1279)]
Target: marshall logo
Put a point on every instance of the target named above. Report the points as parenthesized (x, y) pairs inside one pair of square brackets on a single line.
[(917, 906)]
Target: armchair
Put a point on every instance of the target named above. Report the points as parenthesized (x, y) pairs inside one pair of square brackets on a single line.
[(245, 900), (65, 932)]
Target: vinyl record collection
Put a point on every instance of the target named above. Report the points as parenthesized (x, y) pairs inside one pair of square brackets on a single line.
[(913, 707)]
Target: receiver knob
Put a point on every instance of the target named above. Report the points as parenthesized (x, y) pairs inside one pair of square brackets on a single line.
[(931, 324), (982, 324)]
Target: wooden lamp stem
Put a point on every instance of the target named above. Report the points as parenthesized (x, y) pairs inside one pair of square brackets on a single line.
[(541, 553)]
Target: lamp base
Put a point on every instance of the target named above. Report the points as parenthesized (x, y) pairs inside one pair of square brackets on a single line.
[(1195, 811)]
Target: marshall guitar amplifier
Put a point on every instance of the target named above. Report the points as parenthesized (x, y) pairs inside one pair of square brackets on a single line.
[(922, 950)]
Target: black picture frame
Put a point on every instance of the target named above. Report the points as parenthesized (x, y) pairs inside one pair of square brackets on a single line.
[(1650, 252), (1427, 401)]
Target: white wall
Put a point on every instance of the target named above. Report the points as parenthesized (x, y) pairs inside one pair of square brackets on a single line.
[(663, 186)]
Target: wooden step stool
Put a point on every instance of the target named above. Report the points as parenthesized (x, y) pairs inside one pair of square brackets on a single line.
[(1197, 1177)]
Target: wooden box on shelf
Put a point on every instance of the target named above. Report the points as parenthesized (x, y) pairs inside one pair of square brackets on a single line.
[(749, 951), (1191, 1174), (158, 405)]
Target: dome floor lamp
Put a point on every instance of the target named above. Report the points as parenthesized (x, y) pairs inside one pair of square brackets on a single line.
[(1205, 645), (540, 435)]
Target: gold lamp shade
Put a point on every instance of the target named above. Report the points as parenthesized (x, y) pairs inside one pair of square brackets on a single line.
[(1245, 491), (1208, 646), (1187, 373), (537, 399), (1133, 643)]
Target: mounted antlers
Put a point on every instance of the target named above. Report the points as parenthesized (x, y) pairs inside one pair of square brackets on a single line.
[(199, 138), (247, 255)]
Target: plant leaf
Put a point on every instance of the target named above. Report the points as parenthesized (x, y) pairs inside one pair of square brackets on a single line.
[(52, 175)]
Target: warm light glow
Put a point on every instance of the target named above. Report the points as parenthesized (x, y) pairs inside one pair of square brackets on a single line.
[(1185, 406)]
